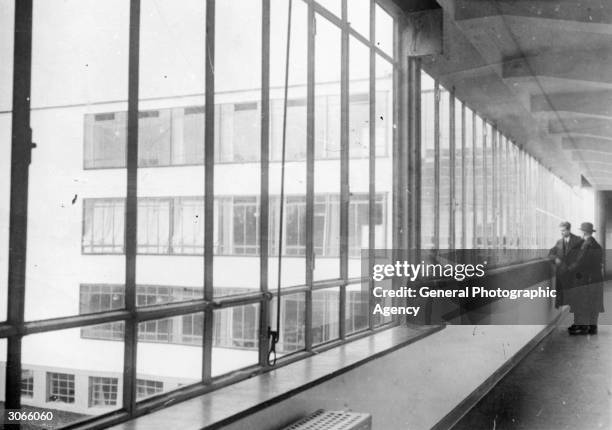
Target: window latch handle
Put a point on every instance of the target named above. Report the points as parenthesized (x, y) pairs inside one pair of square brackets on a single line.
[(29, 146)]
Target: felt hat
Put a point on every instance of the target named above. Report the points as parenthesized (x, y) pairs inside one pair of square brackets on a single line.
[(587, 227)]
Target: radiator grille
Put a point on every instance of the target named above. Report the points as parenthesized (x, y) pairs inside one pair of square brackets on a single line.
[(333, 420)]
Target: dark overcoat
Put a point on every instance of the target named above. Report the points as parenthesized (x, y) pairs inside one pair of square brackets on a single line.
[(587, 293), (567, 253)]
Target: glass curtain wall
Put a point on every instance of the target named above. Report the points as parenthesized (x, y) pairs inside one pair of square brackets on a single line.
[(154, 225), (500, 196)]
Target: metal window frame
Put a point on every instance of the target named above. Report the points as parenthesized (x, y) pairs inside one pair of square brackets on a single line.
[(494, 196), (436, 165), (485, 197), (414, 135), (400, 170), (463, 179), (508, 192), (310, 164), (344, 169), (21, 147), (474, 187), (452, 168), (16, 327), (264, 200), (372, 162)]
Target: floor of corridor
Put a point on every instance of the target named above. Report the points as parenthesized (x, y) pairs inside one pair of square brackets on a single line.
[(564, 383)]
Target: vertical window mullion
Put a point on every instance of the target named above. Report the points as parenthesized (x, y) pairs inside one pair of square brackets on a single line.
[(521, 198), (414, 118), (344, 168), (436, 165), (264, 200), (502, 188), (508, 191), (525, 197), (131, 212), (209, 199), (497, 181), (463, 181), (399, 234), (474, 188), (310, 148), (372, 164), (494, 173), (485, 197), (451, 152), (21, 146)]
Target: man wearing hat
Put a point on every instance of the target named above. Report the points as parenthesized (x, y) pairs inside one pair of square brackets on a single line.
[(564, 254), (586, 296)]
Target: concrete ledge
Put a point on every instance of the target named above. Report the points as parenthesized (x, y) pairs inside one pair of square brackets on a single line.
[(238, 401)]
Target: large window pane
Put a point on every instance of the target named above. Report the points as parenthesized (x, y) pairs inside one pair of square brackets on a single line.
[(170, 133), (479, 178), (325, 315), (489, 190), (237, 171), (7, 16), (384, 30), (235, 338), (293, 323), (326, 234), (357, 307), (458, 209), (78, 105), (427, 162), (508, 197), (383, 181), (444, 203), (358, 12), (293, 246), (6, 99), (469, 185), (161, 344), (81, 379), (359, 154), (499, 191), (514, 204), (334, 6)]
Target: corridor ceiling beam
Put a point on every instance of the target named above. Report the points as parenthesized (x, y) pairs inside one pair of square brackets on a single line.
[(597, 127), (589, 103), (581, 143), (585, 11), (582, 66)]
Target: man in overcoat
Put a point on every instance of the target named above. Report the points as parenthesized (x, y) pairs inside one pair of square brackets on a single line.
[(586, 296), (564, 254)]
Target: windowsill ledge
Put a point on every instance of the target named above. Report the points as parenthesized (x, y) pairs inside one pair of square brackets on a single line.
[(228, 404)]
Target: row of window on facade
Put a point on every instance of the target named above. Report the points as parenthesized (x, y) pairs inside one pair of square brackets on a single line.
[(60, 388), (175, 136), (175, 225), (235, 327)]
